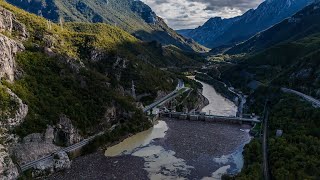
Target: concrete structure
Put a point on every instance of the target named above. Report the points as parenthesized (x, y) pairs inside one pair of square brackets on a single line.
[(180, 89), (208, 118)]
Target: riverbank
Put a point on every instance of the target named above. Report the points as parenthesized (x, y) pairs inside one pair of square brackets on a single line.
[(98, 166)]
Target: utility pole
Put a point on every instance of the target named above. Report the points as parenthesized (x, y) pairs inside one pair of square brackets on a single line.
[(61, 21), (133, 90)]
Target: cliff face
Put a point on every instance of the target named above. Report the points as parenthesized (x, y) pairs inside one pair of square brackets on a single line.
[(14, 115), (8, 169), (9, 47)]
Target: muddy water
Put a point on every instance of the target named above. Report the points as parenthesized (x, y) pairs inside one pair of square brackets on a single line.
[(218, 105), (189, 150)]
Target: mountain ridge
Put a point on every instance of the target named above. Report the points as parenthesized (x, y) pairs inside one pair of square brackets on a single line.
[(133, 16), (241, 28), (300, 25)]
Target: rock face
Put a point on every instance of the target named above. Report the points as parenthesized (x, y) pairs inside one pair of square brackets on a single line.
[(8, 170), (9, 24), (60, 162), (34, 146), (9, 47), (65, 133), (21, 112), (8, 50)]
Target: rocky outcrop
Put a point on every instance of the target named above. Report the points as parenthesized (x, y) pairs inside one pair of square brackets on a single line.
[(9, 47), (35, 146), (60, 162), (20, 114), (65, 133), (8, 170), (8, 50), (9, 24)]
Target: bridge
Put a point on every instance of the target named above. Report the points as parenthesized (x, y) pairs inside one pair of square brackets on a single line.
[(180, 89), (208, 118), (315, 102)]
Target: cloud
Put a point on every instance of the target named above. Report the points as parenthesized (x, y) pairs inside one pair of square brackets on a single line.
[(182, 14)]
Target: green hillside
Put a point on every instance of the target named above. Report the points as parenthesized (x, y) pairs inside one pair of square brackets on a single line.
[(134, 17), (82, 69), (295, 65)]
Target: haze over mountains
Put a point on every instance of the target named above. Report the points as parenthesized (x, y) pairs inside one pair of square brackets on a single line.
[(134, 17), (227, 32)]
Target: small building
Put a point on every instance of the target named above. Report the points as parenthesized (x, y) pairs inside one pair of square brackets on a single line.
[(279, 133)]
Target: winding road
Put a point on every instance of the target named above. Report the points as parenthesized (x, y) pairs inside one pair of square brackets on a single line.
[(314, 101)]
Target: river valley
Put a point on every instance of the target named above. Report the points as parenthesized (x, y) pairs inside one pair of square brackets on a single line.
[(172, 149)]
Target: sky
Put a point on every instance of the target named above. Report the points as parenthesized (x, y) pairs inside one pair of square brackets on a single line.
[(185, 14)]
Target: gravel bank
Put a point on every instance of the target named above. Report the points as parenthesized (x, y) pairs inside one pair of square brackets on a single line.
[(97, 166)]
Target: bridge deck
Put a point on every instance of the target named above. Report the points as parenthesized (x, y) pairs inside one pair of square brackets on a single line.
[(199, 116)]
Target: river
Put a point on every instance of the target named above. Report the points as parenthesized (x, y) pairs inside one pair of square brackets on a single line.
[(172, 149), (189, 150)]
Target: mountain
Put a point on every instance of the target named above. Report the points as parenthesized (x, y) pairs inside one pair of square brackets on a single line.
[(60, 84), (302, 24), (292, 64), (133, 16), (221, 32)]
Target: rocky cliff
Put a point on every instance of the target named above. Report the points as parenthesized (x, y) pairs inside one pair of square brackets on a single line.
[(8, 169), (9, 47), (15, 114)]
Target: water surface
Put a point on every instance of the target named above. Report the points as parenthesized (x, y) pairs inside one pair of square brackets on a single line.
[(189, 150)]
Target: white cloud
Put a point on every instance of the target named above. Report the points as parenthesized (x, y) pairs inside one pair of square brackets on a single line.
[(182, 14)]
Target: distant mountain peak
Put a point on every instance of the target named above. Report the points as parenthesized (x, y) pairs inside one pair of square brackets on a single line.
[(227, 32)]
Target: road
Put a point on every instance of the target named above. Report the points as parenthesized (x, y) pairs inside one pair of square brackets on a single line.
[(314, 101)]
